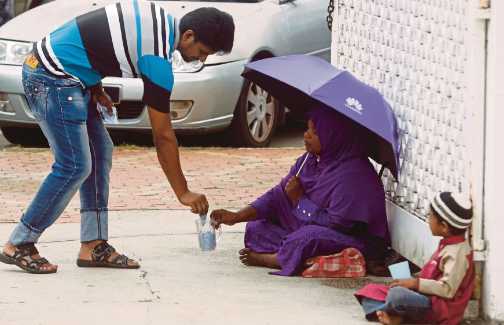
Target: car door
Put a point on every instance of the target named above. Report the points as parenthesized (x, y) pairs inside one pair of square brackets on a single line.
[(305, 22)]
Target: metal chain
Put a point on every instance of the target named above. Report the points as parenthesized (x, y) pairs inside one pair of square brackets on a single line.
[(330, 10)]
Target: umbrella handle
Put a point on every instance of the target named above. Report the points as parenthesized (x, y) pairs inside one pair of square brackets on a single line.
[(302, 164), (381, 171)]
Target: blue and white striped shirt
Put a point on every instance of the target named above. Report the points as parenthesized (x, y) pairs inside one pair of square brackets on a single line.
[(130, 39)]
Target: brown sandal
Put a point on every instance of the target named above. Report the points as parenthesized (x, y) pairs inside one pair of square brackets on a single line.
[(22, 258), (100, 258)]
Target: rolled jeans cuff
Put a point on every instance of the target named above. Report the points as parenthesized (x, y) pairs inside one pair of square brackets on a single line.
[(23, 234), (94, 225)]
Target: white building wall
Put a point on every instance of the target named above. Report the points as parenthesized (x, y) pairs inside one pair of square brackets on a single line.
[(493, 280), (419, 54), (369, 40)]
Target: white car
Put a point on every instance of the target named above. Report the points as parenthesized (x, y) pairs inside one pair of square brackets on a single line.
[(206, 98)]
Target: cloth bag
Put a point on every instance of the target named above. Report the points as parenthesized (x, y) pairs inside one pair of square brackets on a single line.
[(349, 263)]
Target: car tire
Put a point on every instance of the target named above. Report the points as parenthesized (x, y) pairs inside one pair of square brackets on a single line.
[(32, 137), (256, 118)]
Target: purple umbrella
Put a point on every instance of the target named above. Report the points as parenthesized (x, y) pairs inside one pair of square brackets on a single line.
[(301, 82)]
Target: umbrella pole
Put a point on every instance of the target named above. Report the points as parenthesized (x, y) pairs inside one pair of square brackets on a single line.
[(302, 164), (381, 171)]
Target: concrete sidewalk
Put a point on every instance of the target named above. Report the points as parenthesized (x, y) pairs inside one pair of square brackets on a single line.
[(177, 284)]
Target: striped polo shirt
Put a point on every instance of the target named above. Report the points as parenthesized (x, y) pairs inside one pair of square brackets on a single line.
[(130, 39)]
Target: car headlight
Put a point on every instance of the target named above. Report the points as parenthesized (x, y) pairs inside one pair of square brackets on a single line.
[(179, 65), (14, 52)]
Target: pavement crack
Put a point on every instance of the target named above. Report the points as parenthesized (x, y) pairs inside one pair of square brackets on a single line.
[(154, 293)]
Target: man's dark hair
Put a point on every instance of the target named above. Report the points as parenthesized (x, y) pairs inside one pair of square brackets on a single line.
[(212, 27)]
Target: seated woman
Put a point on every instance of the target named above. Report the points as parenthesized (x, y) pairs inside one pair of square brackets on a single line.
[(337, 201)]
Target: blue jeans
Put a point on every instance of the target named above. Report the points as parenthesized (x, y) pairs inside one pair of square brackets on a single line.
[(400, 301), (82, 151)]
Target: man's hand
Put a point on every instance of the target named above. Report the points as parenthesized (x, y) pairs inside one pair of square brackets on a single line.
[(294, 189), (196, 201), (222, 216), (101, 97), (406, 283), (168, 156)]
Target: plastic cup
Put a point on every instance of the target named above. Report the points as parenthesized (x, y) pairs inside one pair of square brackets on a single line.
[(208, 236), (207, 241), (400, 270)]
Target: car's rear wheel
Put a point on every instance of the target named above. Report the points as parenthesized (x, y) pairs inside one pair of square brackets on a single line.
[(256, 117), (24, 136)]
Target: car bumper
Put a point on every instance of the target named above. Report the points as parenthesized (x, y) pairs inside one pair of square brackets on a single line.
[(213, 91)]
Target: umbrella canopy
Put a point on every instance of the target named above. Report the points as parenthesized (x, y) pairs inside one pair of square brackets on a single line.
[(301, 82)]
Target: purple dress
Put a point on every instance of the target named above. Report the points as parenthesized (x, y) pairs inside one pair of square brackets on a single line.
[(343, 204)]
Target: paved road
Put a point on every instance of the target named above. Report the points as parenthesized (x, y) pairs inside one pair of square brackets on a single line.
[(230, 177), (290, 135)]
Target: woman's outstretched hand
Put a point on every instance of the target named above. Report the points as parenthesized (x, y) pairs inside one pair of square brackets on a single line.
[(222, 216), (294, 189)]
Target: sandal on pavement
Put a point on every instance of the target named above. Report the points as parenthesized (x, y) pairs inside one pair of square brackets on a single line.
[(100, 258), (23, 259)]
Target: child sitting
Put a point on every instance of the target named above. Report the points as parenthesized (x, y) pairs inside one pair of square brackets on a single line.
[(444, 286)]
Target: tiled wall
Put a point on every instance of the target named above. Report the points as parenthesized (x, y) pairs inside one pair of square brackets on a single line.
[(414, 52)]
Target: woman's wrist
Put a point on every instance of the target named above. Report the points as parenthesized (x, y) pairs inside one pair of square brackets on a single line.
[(246, 214)]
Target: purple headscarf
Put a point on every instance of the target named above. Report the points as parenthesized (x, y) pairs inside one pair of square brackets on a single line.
[(340, 138), (342, 180)]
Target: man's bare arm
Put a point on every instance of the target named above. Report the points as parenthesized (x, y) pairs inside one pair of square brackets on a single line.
[(168, 156)]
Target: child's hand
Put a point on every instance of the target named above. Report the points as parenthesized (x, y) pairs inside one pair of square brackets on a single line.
[(406, 283)]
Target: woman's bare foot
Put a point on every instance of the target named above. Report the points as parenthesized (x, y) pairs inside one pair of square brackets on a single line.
[(10, 250), (387, 319), (251, 258), (87, 248)]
